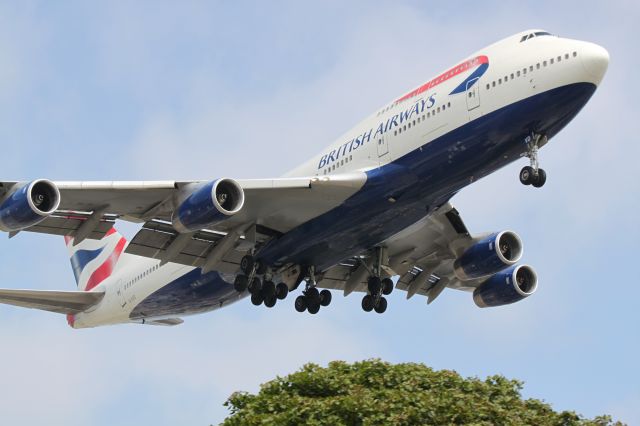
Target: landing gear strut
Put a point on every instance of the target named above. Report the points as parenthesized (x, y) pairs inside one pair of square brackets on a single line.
[(311, 299), (533, 174), (377, 287), (262, 291)]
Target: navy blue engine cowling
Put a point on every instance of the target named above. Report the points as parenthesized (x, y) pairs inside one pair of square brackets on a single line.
[(28, 204), (508, 286), (208, 204), (488, 256)]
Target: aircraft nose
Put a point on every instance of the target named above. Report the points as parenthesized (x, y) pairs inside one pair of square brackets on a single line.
[(595, 60)]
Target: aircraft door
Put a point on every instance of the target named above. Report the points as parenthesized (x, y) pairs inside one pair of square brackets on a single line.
[(473, 94), (121, 293), (383, 145)]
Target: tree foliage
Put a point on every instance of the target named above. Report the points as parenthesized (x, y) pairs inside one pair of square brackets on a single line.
[(374, 392)]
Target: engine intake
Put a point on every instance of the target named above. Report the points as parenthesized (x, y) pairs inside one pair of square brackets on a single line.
[(488, 256), (209, 204), (509, 286), (28, 204)]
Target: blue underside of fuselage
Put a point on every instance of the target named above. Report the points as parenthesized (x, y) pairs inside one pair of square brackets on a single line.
[(419, 182)]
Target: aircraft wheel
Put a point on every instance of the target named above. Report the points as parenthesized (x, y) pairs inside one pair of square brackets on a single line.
[(312, 294), (313, 307), (255, 286), (387, 286), (257, 299), (261, 267), (282, 291), (325, 297), (527, 175), (268, 290), (240, 283), (367, 303), (246, 264), (381, 306), (540, 180), (270, 301), (300, 304), (374, 285)]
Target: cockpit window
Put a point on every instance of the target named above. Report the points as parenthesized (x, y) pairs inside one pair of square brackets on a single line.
[(532, 35)]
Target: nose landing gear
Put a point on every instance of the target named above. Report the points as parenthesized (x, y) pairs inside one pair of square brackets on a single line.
[(533, 174)]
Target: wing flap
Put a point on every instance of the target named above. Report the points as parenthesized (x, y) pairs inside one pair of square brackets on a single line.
[(62, 302)]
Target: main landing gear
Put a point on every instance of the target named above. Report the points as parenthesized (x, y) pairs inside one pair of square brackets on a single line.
[(262, 291), (377, 287), (311, 299), (533, 175)]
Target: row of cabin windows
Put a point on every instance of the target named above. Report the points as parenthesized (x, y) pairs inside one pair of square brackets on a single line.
[(519, 73), (338, 164), (140, 276), (429, 114)]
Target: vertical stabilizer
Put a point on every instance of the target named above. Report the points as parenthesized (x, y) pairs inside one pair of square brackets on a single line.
[(93, 261)]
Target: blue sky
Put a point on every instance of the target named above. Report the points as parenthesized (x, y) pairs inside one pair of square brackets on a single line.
[(161, 90)]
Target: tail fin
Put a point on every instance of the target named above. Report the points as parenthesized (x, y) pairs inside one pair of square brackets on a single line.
[(93, 261)]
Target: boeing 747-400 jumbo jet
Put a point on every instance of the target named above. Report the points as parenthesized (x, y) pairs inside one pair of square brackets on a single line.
[(373, 205)]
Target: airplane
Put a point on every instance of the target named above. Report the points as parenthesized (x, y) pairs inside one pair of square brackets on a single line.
[(375, 204)]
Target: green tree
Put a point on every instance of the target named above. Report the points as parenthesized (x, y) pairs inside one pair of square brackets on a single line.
[(374, 392)]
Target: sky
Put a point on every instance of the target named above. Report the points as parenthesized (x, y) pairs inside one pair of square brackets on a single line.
[(198, 90)]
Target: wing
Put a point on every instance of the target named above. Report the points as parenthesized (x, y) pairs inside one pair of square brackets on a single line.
[(422, 255), (90, 208), (62, 302)]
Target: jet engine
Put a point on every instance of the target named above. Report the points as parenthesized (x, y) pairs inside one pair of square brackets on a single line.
[(488, 256), (209, 204), (27, 204), (508, 286)]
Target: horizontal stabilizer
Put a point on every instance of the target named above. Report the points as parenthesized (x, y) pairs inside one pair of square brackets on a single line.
[(62, 302)]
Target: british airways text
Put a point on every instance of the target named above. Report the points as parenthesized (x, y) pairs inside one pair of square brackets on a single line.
[(418, 108)]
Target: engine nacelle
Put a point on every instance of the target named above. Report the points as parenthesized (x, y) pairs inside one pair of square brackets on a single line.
[(28, 204), (509, 286), (488, 256), (211, 203)]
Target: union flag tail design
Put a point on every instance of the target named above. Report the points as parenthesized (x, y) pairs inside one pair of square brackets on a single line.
[(93, 261)]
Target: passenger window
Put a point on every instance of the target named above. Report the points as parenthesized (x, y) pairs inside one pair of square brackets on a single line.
[(350, 157), (544, 63), (448, 104), (524, 71), (531, 68), (418, 119), (518, 73), (559, 58), (538, 65), (551, 61), (405, 127), (511, 76), (493, 84), (428, 114), (414, 122), (438, 110), (409, 125), (575, 54), (499, 81), (566, 56), (488, 86), (395, 133)]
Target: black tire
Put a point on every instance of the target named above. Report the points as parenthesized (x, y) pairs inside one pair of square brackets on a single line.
[(268, 290), (300, 304), (367, 303), (312, 294), (325, 297), (240, 283), (540, 180), (381, 306), (256, 299), (246, 264), (374, 284), (387, 286), (527, 175), (270, 302), (282, 291), (313, 308), (261, 267), (255, 286)]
